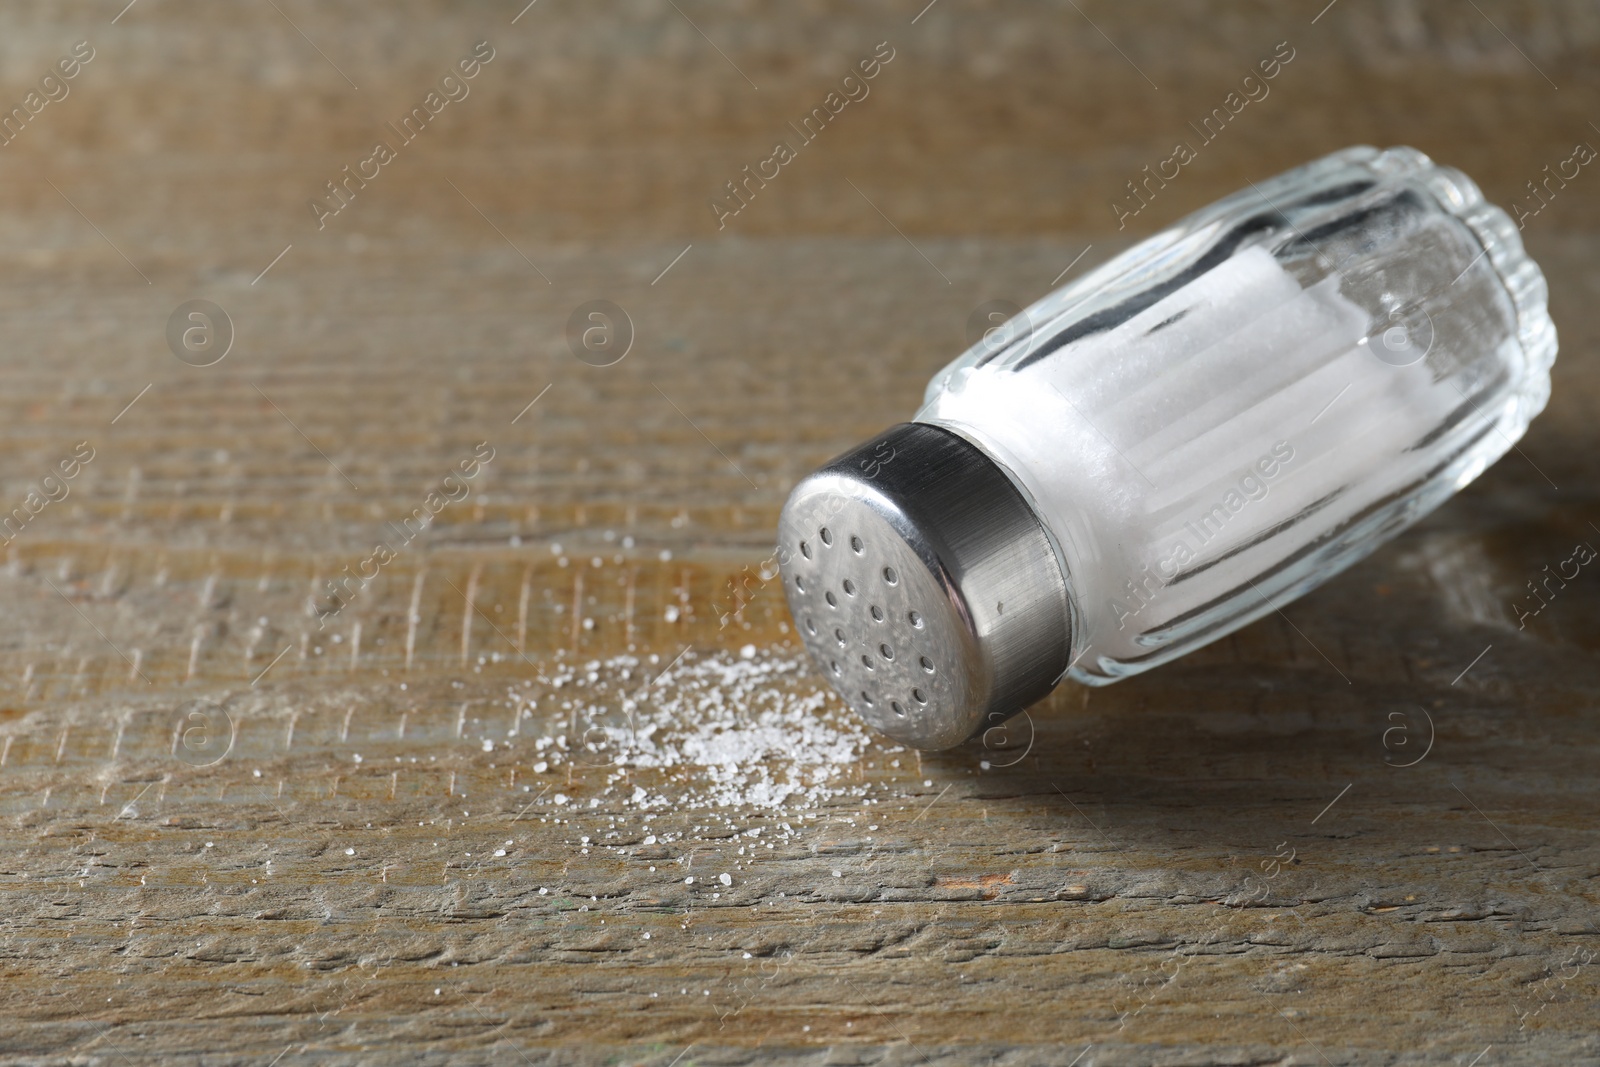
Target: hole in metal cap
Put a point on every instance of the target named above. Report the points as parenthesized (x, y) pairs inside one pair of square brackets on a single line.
[(834, 664), (856, 545), (866, 661), (890, 576), (894, 705), (849, 587), (832, 600), (805, 549), (838, 635), (811, 626), (887, 652), (865, 697), (916, 619), (799, 583), (877, 613), (826, 535), (927, 664), (919, 696)]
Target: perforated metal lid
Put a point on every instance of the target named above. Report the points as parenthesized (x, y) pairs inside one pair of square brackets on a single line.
[(924, 586)]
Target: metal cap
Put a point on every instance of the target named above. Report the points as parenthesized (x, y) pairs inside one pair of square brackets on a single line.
[(924, 585)]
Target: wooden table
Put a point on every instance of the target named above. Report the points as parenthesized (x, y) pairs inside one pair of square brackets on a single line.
[(235, 832)]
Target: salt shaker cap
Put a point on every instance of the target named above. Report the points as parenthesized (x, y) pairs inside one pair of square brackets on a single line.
[(925, 586)]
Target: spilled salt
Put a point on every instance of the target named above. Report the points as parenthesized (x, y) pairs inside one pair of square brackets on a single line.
[(747, 730)]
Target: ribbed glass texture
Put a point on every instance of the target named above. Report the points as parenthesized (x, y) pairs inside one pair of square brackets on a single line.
[(1233, 411)]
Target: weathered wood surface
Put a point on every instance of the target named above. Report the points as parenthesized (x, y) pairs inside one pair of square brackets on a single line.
[(1114, 889)]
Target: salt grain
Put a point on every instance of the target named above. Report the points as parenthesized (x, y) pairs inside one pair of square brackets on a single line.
[(756, 730)]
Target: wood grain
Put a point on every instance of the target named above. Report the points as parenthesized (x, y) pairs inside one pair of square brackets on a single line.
[(1227, 861)]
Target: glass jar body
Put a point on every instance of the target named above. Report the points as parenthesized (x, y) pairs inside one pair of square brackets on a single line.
[(1233, 411)]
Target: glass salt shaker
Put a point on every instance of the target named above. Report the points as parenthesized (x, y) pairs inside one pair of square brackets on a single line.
[(1190, 436)]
